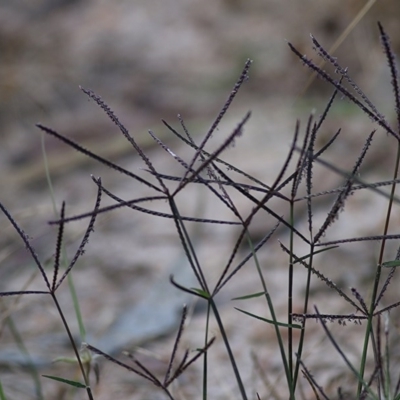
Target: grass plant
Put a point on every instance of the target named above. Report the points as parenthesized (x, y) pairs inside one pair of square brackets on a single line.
[(294, 184)]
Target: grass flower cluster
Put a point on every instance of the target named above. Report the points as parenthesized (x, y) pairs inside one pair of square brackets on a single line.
[(293, 184)]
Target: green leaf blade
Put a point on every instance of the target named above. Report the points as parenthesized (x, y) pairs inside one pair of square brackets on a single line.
[(76, 384)]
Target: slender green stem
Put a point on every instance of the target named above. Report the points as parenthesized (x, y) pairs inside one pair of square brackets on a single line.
[(70, 284), (228, 348), (305, 308), (2, 394), (77, 308), (24, 350), (66, 327), (378, 275), (64, 259), (345, 358), (272, 311), (387, 356), (205, 359), (290, 305)]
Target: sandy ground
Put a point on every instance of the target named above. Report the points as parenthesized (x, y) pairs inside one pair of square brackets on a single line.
[(151, 60)]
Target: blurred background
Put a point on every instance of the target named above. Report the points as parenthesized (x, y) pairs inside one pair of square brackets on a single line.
[(151, 60)]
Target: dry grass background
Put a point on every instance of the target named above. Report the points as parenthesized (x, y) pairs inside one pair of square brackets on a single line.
[(153, 60)]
